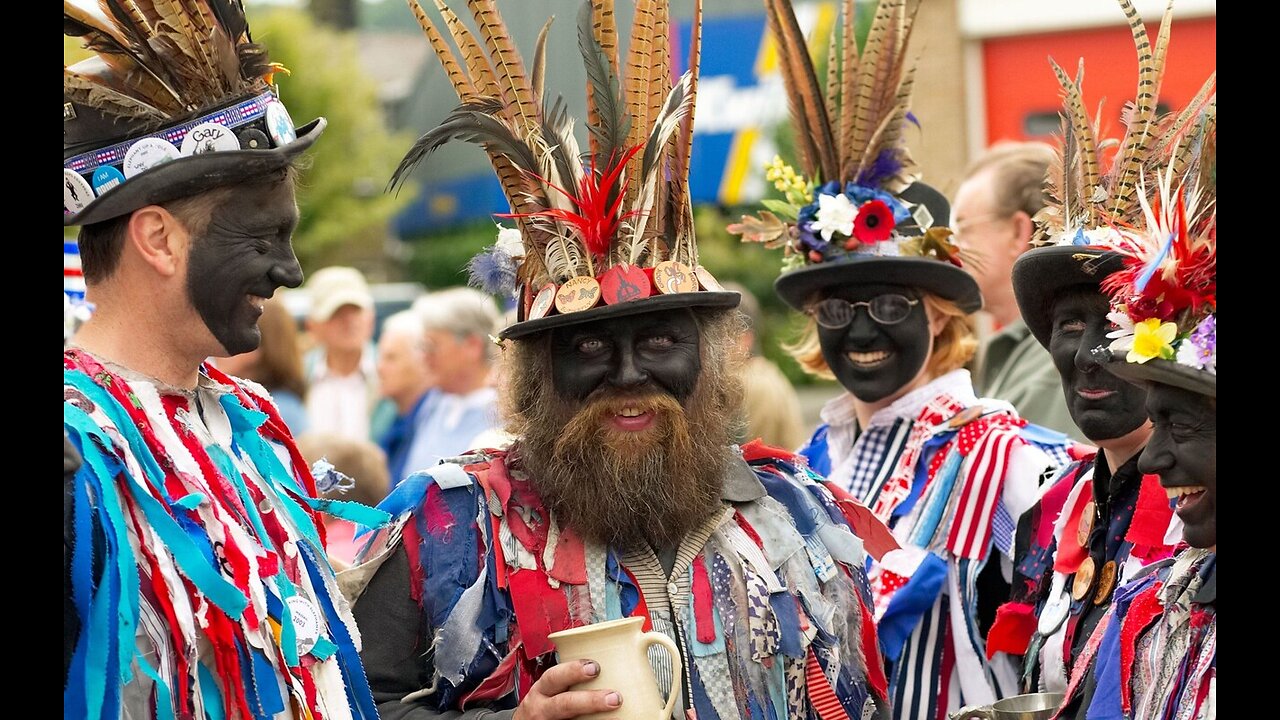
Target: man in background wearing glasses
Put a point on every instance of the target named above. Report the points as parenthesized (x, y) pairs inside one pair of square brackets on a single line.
[(992, 219)]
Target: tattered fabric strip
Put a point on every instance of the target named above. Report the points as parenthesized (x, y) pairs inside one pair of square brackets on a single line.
[(189, 557), (105, 616), (971, 529)]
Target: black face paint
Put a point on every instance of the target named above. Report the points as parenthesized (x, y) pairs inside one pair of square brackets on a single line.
[(871, 360), (1102, 405), (246, 251), (660, 350), (1183, 451)]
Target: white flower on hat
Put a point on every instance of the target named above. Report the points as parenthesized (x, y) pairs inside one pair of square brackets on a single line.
[(1123, 336), (510, 241), (835, 215)]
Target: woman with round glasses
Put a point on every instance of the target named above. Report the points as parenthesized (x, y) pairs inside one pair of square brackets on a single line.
[(949, 472)]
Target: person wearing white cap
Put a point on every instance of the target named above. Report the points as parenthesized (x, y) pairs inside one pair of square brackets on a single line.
[(342, 368)]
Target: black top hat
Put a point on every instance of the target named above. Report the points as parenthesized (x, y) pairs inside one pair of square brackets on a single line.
[(889, 262), (1040, 276), (170, 107)]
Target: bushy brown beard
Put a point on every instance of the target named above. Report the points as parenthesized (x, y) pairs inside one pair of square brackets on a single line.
[(618, 487)]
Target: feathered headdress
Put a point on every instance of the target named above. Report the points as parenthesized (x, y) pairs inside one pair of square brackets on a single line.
[(1139, 226), (177, 99), (858, 198), (611, 226), (1088, 198)]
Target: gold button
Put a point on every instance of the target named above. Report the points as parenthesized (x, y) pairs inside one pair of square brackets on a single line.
[(1083, 582)]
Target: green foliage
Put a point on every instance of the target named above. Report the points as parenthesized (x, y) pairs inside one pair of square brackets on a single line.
[(439, 260), (755, 268), (345, 209)]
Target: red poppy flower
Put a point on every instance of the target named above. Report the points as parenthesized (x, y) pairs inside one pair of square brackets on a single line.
[(874, 222)]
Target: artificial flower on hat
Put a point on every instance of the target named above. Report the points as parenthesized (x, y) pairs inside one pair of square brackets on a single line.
[(1164, 300), (858, 197)]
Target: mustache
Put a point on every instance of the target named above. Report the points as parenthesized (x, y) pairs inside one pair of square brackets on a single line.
[(606, 402)]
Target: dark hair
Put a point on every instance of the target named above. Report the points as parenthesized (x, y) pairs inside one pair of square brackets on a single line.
[(279, 358)]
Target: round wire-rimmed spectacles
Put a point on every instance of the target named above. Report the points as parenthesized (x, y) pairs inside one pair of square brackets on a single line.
[(887, 309)]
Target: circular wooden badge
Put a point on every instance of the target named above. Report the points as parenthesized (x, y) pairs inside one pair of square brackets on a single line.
[(674, 277), (706, 280), (1083, 583), (542, 302), (1086, 524), (580, 293), (1106, 583), (624, 283)]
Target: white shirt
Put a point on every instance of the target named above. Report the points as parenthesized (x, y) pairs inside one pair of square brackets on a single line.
[(340, 403)]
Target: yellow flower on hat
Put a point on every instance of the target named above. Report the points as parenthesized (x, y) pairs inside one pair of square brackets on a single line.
[(1152, 339)]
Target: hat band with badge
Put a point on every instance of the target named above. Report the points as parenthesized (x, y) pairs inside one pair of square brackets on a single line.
[(256, 123), (176, 100)]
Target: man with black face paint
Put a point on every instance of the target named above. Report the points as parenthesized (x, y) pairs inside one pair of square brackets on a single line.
[(622, 494), (195, 576), (1157, 648), (1101, 520), (1105, 519)]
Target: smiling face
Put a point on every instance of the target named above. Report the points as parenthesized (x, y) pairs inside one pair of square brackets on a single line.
[(624, 423), (1103, 406), (878, 362), (244, 254), (1183, 451)]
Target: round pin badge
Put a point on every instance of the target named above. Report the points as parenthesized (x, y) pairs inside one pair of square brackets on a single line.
[(279, 124), (76, 192), (253, 139), (706, 280), (1106, 582), (542, 302), (209, 137), (146, 154), (670, 277), (1086, 524), (306, 623), (1083, 583), (624, 283), (105, 177), (580, 293)]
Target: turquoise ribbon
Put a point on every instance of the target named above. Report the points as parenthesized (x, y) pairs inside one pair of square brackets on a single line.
[(943, 482), (185, 552), (211, 695), (164, 701)]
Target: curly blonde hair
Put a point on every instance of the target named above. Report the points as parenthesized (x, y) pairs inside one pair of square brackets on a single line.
[(953, 346)]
